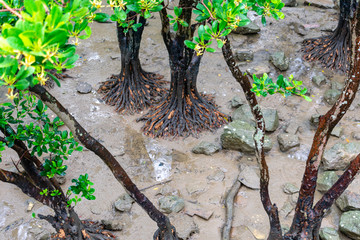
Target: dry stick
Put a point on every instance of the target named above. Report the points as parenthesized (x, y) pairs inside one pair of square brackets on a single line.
[(156, 184), (229, 205), (326, 125), (10, 9), (271, 209), (81, 135)]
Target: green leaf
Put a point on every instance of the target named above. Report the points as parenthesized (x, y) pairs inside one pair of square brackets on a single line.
[(210, 50), (176, 26), (101, 17), (307, 98), (177, 11), (147, 14), (189, 44), (157, 8), (22, 84)]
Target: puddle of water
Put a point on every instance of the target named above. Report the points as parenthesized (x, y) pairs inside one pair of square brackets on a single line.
[(161, 158)]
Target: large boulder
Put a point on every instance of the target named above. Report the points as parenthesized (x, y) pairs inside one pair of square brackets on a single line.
[(238, 135), (340, 155)]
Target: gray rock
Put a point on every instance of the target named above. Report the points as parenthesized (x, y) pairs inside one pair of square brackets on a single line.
[(270, 115), (328, 233), (124, 203), (185, 226), (314, 120), (40, 230), (60, 179), (83, 87), (331, 95), (292, 128), (217, 176), (169, 204), (348, 201), (241, 232), (194, 188), (30, 204), (244, 55), (287, 141), (286, 209), (251, 28), (113, 224), (198, 210), (298, 28), (319, 79), (259, 70), (337, 86), (290, 188), (249, 177), (337, 131), (96, 210), (237, 102), (340, 155), (350, 224), (355, 135), (279, 60), (290, 3), (206, 148), (178, 156), (238, 135), (320, 3), (326, 180)]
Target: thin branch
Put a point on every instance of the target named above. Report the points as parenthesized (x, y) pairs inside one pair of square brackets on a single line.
[(11, 9), (156, 184)]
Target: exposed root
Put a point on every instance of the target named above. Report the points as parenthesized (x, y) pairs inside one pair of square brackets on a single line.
[(332, 51), (166, 235), (132, 93), (91, 230), (189, 115)]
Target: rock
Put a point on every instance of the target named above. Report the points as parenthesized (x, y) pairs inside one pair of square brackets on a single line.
[(185, 226), (290, 188), (292, 128), (287, 141), (194, 188), (206, 148), (279, 60), (60, 179), (113, 224), (241, 232), (329, 234), (238, 135), (286, 209), (270, 115), (178, 156), (298, 28), (167, 190), (244, 55), (169, 204), (320, 3), (237, 102), (314, 120), (290, 3), (217, 176), (319, 79), (198, 210), (326, 180), (249, 177), (337, 131), (331, 95), (348, 201), (355, 135), (83, 87), (250, 28), (340, 155), (40, 230), (337, 86), (95, 210), (30, 202), (259, 70), (350, 224), (124, 203)]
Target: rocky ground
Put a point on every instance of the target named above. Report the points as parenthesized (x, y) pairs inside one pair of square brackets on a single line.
[(197, 172)]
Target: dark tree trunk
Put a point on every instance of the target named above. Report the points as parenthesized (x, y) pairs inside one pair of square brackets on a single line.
[(184, 111), (333, 50), (133, 89)]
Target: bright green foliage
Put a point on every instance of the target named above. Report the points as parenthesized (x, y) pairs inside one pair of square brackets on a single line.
[(175, 21), (83, 186), (220, 17), (286, 87)]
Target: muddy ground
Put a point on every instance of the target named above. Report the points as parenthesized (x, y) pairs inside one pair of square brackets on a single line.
[(121, 134)]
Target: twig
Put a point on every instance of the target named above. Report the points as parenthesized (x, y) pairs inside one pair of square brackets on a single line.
[(10, 9), (156, 184), (229, 205)]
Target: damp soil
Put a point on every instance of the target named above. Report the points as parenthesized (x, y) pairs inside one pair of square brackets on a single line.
[(149, 161)]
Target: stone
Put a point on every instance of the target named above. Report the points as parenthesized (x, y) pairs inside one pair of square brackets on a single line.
[(185, 226), (30, 202), (249, 177), (298, 28), (217, 176), (40, 230), (328, 233), (238, 135), (314, 120), (113, 224), (198, 210), (95, 210), (355, 135), (287, 141), (60, 179), (326, 180), (286, 209), (340, 155), (206, 148), (244, 55), (169, 204), (320, 3), (290, 188), (337, 131), (270, 115), (350, 224), (292, 128), (319, 79), (259, 70), (279, 60), (83, 87), (331, 95), (178, 156), (124, 203), (250, 28), (241, 232), (348, 201), (337, 86), (290, 3), (194, 188), (237, 102)]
